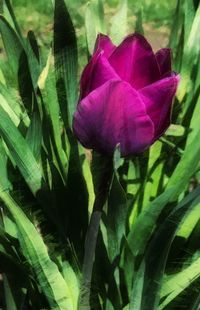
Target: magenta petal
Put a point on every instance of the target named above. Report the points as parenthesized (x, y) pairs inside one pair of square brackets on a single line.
[(137, 130), (163, 57), (113, 114), (135, 62), (157, 98), (96, 73), (104, 43)]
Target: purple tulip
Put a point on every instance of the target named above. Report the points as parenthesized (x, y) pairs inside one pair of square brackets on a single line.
[(126, 96)]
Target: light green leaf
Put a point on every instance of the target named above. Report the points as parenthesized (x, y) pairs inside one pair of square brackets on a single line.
[(11, 104), (154, 176), (191, 55), (2, 78), (176, 284), (21, 153), (175, 130), (119, 23), (11, 16), (189, 223), (190, 159), (73, 283), (94, 22)]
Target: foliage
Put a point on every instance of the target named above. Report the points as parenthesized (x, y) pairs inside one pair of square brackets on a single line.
[(147, 254)]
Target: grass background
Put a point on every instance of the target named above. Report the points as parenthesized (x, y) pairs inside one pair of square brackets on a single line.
[(38, 15)]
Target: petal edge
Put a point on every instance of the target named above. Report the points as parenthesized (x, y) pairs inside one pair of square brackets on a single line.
[(158, 98), (135, 62)]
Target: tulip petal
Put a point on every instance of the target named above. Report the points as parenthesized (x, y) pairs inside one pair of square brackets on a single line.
[(113, 114), (157, 98), (135, 62), (163, 57), (104, 43), (96, 73)]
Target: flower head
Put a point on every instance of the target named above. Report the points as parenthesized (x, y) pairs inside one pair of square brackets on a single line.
[(126, 96)]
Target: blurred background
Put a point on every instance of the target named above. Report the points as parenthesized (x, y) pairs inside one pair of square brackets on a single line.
[(157, 17)]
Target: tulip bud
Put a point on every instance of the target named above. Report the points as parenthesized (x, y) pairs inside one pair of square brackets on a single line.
[(125, 97)]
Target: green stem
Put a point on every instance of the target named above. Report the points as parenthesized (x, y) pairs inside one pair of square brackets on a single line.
[(102, 178), (90, 246)]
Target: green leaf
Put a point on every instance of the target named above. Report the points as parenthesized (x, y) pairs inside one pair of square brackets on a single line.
[(136, 296), (88, 176), (12, 44), (48, 276), (94, 22), (15, 109), (154, 173), (73, 282), (34, 136), (8, 109), (3, 167), (186, 167), (12, 17), (116, 218), (189, 161), (189, 13), (194, 124), (2, 78), (177, 283), (14, 295), (176, 26), (33, 61), (133, 177), (191, 56), (22, 61), (138, 24), (175, 130), (157, 251), (50, 103), (66, 60), (189, 223), (119, 23), (20, 152)]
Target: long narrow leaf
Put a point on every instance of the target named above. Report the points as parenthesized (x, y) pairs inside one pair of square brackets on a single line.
[(66, 59), (20, 152), (50, 279)]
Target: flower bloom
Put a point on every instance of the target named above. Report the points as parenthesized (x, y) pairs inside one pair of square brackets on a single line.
[(126, 96)]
